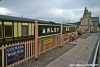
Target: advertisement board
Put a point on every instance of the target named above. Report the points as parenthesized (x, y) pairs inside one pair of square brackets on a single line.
[(47, 41), (15, 53)]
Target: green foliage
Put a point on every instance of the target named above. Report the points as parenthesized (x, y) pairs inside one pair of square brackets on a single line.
[(99, 24), (76, 23)]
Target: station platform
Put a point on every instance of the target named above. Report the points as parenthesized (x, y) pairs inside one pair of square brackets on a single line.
[(79, 55)]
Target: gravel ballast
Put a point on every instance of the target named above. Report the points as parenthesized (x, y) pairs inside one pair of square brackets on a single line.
[(47, 57)]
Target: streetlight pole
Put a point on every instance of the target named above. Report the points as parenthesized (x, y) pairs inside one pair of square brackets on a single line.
[(88, 26), (88, 23)]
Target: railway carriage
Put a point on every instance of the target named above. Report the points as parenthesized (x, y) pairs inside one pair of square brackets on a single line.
[(68, 29), (18, 29), (15, 28)]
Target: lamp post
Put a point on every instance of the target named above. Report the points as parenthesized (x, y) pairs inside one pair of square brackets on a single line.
[(88, 26), (88, 23)]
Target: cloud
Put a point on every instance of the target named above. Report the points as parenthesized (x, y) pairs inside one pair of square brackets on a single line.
[(59, 15), (53, 10), (4, 10)]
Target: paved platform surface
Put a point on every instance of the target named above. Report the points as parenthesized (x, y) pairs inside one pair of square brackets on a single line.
[(80, 54)]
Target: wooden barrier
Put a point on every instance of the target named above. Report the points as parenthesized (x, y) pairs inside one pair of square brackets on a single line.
[(45, 47), (63, 38), (36, 39), (30, 47), (29, 52)]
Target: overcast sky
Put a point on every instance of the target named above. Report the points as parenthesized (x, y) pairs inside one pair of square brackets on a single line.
[(52, 10)]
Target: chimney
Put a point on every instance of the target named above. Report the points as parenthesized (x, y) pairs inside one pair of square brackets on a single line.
[(89, 13), (81, 19)]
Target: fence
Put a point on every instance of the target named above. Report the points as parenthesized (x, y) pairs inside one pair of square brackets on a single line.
[(45, 47), (29, 49), (29, 52)]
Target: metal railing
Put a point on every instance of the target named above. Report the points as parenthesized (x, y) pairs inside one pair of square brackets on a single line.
[(95, 56)]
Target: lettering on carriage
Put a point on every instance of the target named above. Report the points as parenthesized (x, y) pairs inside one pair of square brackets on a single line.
[(50, 30)]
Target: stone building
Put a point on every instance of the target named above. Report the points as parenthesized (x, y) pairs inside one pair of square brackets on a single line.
[(88, 22)]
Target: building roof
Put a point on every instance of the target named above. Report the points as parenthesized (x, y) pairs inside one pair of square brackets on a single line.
[(95, 19), (85, 17)]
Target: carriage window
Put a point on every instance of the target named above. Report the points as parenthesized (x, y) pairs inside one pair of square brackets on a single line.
[(70, 29), (0, 32), (8, 31), (64, 29), (73, 29), (24, 30)]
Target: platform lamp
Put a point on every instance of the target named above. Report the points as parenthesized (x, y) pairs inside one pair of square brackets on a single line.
[(88, 26)]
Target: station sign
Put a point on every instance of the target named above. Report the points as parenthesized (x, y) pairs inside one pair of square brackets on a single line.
[(44, 30), (64, 30)]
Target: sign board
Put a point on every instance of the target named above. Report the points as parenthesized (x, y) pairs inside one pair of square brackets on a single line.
[(66, 37), (15, 53), (47, 41), (44, 30)]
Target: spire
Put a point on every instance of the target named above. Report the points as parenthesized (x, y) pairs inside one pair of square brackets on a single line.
[(85, 11), (85, 8)]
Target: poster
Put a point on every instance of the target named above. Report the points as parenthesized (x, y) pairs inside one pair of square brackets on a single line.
[(47, 41), (15, 53)]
